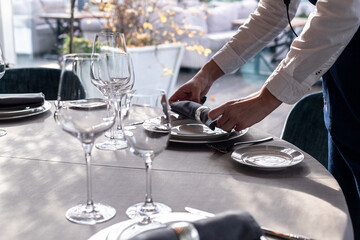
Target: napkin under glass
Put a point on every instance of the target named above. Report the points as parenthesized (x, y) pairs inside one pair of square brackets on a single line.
[(232, 225), (188, 109), (12, 102)]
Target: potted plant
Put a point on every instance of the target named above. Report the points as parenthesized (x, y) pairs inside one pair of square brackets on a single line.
[(153, 32)]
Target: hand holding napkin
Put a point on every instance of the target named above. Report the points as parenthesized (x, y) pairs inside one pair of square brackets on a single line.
[(195, 111), (9, 102), (232, 225)]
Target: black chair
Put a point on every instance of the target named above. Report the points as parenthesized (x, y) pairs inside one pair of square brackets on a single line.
[(305, 127), (33, 80)]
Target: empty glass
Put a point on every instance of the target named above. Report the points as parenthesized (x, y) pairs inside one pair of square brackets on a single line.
[(146, 125), (121, 73), (84, 112)]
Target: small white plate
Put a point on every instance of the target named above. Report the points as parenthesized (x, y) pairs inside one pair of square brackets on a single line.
[(6, 115), (113, 232), (267, 157)]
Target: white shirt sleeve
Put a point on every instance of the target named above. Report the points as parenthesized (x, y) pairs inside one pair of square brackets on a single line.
[(327, 32)]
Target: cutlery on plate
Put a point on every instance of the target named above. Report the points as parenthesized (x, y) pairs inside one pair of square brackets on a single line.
[(227, 148), (266, 230)]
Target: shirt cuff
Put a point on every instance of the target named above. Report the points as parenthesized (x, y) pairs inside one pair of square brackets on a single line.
[(228, 60), (285, 88)]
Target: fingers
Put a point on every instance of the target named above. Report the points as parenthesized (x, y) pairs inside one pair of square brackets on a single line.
[(228, 116), (188, 91), (216, 112)]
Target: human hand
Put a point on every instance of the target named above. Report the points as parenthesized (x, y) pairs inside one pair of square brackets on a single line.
[(197, 87), (243, 113)]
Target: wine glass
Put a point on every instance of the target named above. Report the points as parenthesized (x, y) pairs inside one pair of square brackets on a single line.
[(121, 73), (146, 126), (2, 72), (84, 112)]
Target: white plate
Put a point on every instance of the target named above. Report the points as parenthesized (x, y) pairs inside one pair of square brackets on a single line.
[(267, 157), (112, 232), (183, 128), (194, 130), (6, 115)]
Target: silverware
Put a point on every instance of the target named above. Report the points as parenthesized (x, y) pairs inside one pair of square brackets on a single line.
[(227, 148), (266, 230)]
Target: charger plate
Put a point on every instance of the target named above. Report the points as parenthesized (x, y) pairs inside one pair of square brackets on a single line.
[(267, 157), (113, 232), (6, 115)]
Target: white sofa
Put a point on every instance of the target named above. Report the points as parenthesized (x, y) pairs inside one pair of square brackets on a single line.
[(32, 34)]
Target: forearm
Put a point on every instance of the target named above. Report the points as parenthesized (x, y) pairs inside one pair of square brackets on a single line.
[(210, 72), (261, 27)]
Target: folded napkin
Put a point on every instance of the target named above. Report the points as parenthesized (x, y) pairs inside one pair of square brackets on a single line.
[(233, 225), (190, 109), (21, 101)]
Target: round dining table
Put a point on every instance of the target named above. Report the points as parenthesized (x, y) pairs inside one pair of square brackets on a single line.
[(43, 174)]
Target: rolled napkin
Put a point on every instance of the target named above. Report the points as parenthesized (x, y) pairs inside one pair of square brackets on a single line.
[(20, 101), (233, 225), (195, 111)]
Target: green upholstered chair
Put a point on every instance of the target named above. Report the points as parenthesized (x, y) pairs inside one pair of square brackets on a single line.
[(305, 127), (33, 80)]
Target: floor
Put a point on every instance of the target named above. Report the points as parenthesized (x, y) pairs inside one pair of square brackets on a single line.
[(240, 84)]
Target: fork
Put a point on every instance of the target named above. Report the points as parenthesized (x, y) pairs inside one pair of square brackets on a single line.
[(227, 148)]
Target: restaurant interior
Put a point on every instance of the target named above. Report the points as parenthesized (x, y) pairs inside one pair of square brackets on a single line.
[(268, 181)]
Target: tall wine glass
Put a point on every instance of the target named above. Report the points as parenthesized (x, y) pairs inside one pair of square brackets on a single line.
[(146, 126), (120, 67), (2, 72), (83, 112)]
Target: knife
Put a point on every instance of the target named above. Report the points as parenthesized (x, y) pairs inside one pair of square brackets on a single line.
[(266, 230)]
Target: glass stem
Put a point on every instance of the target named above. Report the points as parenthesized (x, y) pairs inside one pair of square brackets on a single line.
[(87, 148), (148, 196), (119, 114), (113, 128)]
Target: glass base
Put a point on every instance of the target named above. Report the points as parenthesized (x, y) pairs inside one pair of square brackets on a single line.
[(2, 132), (141, 209), (118, 134), (112, 145), (90, 215)]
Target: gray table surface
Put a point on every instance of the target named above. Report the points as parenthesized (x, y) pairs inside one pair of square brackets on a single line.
[(42, 175)]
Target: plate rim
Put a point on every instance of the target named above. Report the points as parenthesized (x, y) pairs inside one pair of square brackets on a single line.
[(29, 112), (239, 160), (104, 233)]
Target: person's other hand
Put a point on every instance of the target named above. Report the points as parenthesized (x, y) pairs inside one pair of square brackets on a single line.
[(243, 113), (197, 87)]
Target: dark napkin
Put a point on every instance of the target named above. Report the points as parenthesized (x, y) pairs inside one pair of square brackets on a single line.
[(233, 225), (21, 101), (187, 109)]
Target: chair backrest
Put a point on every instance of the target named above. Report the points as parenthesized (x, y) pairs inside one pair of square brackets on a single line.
[(31, 80), (305, 127), (34, 80)]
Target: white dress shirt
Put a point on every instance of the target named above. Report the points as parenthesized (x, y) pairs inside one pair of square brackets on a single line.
[(327, 32)]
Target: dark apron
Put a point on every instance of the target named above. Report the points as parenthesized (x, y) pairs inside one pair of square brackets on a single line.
[(341, 88)]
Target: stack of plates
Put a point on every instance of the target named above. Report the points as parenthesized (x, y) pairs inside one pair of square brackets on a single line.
[(6, 115), (190, 131)]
